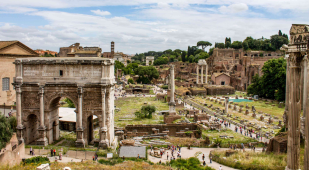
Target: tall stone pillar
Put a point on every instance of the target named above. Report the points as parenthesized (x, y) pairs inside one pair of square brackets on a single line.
[(197, 74), (172, 105), (20, 126), (80, 142), (206, 74), (42, 128), (285, 115), (226, 104), (110, 114), (294, 109), (103, 128), (306, 112), (202, 74)]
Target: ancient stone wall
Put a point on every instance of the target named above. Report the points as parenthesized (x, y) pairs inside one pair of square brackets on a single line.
[(173, 128)]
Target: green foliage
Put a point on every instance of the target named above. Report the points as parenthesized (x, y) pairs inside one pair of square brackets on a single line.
[(139, 115), (13, 123), (219, 45), (160, 61), (277, 41), (164, 87), (148, 110), (188, 164), (131, 81), (69, 102), (283, 129), (183, 56), (211, 50), (272, 84), (36, 160), (146, 74), (204, 44), (118, 65), (6, 131), (236, 45), (245, 45)]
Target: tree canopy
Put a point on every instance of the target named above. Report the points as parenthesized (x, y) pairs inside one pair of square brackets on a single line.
[(146, 74), (272, 84), (204, 44)]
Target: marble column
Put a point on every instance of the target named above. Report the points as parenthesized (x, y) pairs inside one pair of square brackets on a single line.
[(197, 74), (285, 115), (108, 108), (202, 74), (172, 104), (306, 113), (80, 142), (42, 128), (294, 109), (103, 128), (206, 74), (20, 126)]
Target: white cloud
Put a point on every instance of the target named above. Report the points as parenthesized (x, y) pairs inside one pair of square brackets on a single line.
[(164, 24), (234, 8), (99, 12)]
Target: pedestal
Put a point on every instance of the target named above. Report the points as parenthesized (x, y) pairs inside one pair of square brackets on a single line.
[(104, 143), (19, 133), (42, 133), (80, 142)]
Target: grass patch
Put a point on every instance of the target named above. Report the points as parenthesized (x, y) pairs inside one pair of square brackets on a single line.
[(237, 138), (130, 105), (251, 160)]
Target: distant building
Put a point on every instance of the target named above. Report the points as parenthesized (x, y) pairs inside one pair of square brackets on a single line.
[(75, 50), (9, 51), (43, 52), (221, 78)]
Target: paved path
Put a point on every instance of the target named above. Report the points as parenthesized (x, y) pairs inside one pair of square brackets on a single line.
[(185, 153)]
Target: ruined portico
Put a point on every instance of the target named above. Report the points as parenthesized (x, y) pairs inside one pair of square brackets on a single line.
[(297, 93), (40, 83), (200, 66)]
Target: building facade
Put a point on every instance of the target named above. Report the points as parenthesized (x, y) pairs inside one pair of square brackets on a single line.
[(9, 51)]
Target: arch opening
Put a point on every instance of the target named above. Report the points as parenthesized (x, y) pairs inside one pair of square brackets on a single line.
[(32, 128)]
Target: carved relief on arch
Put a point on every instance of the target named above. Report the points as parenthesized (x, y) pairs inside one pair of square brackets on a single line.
[(49, 97), (30, 99)]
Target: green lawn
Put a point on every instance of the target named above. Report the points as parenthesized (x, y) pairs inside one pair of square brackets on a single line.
[(238, 138), (130, 105)]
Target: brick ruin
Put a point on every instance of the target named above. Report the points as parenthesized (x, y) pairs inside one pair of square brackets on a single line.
[(240, 65)]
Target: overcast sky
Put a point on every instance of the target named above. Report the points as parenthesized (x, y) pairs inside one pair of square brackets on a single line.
[(142, 25)]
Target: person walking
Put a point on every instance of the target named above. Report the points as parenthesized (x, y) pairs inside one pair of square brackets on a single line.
[(30, 150), (210, 158), (51, 152), (166, 155), (203, 157), (54, 152), (220, 168), (204, 163)]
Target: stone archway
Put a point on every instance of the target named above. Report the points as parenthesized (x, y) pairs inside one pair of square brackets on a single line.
[(32, 128), (88, 82)]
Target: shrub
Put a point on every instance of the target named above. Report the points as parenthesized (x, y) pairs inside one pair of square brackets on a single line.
[(37, 160), (5, 131), (13, 123), (131, 81), (165, 87), (189, 164)]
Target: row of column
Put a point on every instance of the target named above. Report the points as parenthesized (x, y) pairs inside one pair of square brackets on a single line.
[(297, 92), (202, 71)]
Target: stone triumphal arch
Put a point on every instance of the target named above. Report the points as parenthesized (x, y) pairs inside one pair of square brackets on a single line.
[(41, 82)]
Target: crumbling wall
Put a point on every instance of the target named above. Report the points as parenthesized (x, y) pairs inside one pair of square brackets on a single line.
[(173, 128)]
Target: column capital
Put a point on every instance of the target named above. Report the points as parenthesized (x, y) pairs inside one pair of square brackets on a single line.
[(80, 90), (18, 89), (41, 90), (103, 90), (305, 58)]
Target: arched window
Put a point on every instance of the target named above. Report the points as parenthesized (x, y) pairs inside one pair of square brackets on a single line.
[(5, 84)]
